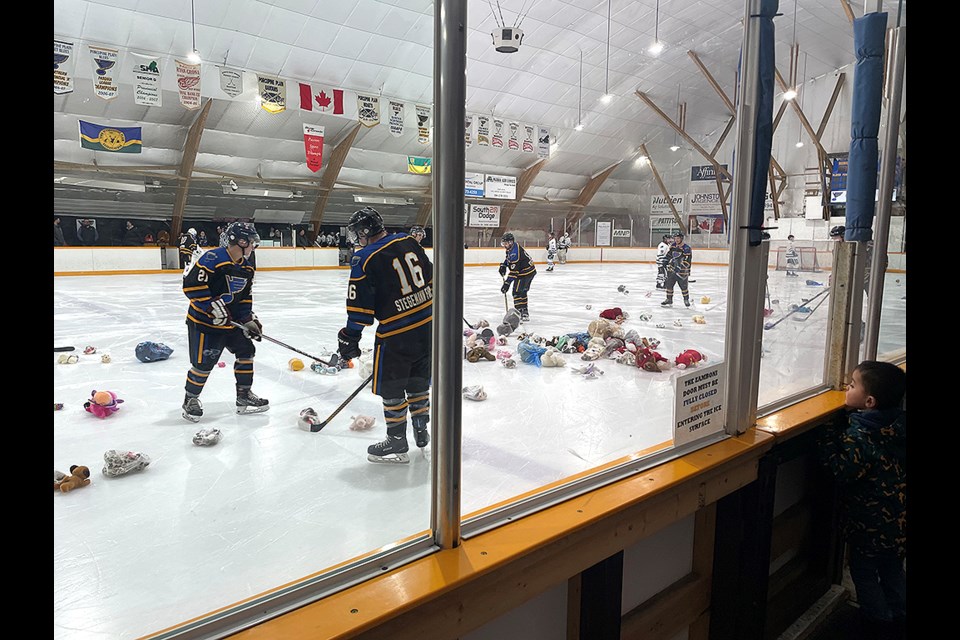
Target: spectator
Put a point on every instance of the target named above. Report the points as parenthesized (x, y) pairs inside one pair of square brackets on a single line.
[(302, 239), (148, 239), (202, 239), (866, 453), (58, 240), (87, 232), (222, 232), (163, 238), (131, 235)]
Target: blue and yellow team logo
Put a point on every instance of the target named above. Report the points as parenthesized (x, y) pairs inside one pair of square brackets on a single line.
[(115, 139)]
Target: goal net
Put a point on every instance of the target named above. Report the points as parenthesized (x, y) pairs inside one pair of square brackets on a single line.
[(807, 255)]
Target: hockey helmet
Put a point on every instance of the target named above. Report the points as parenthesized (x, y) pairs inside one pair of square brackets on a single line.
[(192, 232), (666, 237), (417, 230), (152, 351), (507, 237), (678, 234), (243, 234), (364, 223), (838, 231)]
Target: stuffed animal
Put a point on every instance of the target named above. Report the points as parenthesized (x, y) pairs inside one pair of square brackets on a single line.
[(79, 477), (362, 423), (552, 358), (705, 300), (603, 328), (594, 348), (689, 358), (699, 320), (102, 403), (615, 314), (648, 359), (479, 352)]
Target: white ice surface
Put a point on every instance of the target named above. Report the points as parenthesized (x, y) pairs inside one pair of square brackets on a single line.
[(203, 527)]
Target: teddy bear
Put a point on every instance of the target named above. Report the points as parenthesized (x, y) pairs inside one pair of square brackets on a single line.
[(594, 349), (604, 328), (79, 477), (102, 403), (648, 359), (689, 358), (552, 358)]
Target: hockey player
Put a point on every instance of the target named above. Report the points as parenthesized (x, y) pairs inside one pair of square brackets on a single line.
[(188, 246), (563, 244), (551, 250), (522, 271), (391, 280), (219, 286), (679, 258), (662, 250), (418, 233), (793, 258)]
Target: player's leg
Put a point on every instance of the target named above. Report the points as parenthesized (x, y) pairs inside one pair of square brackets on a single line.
[(204, 350), (668, 286), (520, 291), (244, 350), (388, 365)]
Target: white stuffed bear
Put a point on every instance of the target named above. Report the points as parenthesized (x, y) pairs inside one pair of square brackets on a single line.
[(552, 358), (594, 349)]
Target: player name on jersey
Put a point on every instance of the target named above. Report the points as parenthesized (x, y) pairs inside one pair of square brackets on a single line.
[(414, 299)]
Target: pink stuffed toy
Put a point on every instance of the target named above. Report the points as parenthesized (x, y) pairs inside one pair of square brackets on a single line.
[(689, 358), (102, 403)]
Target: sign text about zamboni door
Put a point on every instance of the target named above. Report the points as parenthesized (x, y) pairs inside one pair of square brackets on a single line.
[(698, 411)]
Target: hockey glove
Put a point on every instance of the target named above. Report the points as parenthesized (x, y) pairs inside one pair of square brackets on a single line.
[(252, 328), (502, 270), (349, 341), (220, 313), (505, 287)]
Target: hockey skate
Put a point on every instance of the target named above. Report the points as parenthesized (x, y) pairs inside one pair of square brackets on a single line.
[(550, 268), (421, 435), (666, 303), (524, 316), (392, 449), (686, 301), (247, 402), (192, 410)]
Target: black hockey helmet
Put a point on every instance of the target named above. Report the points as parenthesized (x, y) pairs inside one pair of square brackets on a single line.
[(667, 237), (417, 230), (507, 237), (678, 234), (838, 231), (243, 234), (364, 223)]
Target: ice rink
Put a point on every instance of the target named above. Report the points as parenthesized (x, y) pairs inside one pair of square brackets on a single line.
[(204, 527)]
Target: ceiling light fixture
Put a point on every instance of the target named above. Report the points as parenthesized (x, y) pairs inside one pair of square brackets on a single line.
[(657, 46), (791, 93), (680, 121), (641, 160), (579, 126), (194, 55), (607, 96), (800, 104)]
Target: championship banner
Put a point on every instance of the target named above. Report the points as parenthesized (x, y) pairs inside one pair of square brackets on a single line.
[(146, 80), (468, 131), (188, 84), (513, 142), (313, 144), (527, 144), (543, 143), (321, 99), (98, 137), (104, 60), (396, 119), (419, 166), (231, 81), (483, 131), (273, 93), (63, 65), (496, 140), (368, 110), (423, 124)]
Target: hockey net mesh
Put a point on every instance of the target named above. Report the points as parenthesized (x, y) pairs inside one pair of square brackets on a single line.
[(808, 259)]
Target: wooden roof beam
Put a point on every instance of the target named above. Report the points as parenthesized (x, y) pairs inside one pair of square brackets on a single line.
[(663, 189), (586, 195), (190, 148), (709, 158), (713, 83), (426, 208), (329, 179), (830, 105), (523, 184)]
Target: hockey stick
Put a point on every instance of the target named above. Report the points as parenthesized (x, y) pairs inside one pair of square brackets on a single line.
[(58, 349), (505, 308), (317, 427), (771, 325), (804, 318), (334, 361), (468, 324)]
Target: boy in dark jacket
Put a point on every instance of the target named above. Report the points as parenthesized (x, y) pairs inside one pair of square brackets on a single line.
[(867, 456)]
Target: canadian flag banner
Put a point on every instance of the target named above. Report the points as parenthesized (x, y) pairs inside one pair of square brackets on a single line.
[(313, 143), (321, 99)]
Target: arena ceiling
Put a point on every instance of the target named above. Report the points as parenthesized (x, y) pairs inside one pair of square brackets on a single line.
[(385, 48)]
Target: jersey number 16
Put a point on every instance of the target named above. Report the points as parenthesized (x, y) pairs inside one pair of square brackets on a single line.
[(413, 266)]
